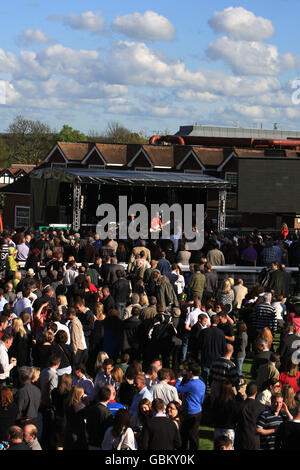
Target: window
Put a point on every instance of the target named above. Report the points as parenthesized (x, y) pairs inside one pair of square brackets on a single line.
[(194, 171), (101, 167), (142, 168), (22, 216), (232, 177), (58, 165)]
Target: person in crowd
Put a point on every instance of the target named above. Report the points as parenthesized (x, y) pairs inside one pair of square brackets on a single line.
[(159, 432), (223, 369), (163, 389), (192, 389), (291, 376), (6, 364), (16, 439), (225, 412), (288, 433), (141, 392), (59, 398), (8, 411), (28, 398), (30, 437), (120, 435), (264, 397), (98, 418), (270, 419), (75, 432)]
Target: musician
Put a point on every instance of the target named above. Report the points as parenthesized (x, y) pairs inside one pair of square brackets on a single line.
[(156, 222)]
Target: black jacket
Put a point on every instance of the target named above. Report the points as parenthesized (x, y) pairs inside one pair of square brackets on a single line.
[(130, 338), (160, 433), (65, 352), (98, 419), (87, 321), (120, 290), (112, 270), (246, 437), (260, 358), (108, 303), (212, 345)]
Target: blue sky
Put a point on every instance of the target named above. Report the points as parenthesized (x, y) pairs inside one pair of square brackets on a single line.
[(151, 66)]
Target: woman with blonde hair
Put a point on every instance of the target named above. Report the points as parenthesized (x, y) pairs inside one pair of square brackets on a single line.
[(225, 295), (36, 372), (288, 396), (99, 311), (74, 435), (118, 375), (20, 346), (102, 355), (62, 304)]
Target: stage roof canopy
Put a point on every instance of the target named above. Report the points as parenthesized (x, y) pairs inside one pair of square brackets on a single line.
[(125, 177)]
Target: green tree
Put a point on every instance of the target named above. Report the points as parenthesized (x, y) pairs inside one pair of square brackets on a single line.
[(68, 134), (28, 141), (3, 153)]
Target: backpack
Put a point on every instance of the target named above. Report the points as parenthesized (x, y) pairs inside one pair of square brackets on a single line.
[(264, 277), (162, 330)]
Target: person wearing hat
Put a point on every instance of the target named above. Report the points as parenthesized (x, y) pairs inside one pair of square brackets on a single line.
[(33, 260), (30, 273), (11, 264)]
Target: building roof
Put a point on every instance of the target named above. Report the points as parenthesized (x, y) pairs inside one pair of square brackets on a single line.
[(113, 153), (74, 150), (129, 177)]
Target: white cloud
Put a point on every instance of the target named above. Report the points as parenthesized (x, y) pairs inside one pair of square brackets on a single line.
[(253, 112), (190, 95), (87, 21), (8, 62), (239, 23), (134, 63), (33, 36), (250, 57), (148, 26)]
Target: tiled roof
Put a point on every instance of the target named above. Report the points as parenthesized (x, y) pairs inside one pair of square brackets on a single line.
[(160, 156), (210, 156), (21, 166), (74, 150), (113, 153)]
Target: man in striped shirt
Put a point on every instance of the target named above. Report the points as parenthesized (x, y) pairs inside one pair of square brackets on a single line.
[(270, 419), (264, 315), (223, 369)]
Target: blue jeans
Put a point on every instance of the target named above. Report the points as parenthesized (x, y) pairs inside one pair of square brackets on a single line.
[(121, 309), (239, 364), (185, 344)]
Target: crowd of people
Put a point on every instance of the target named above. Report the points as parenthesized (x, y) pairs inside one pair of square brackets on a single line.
[(112, 345)]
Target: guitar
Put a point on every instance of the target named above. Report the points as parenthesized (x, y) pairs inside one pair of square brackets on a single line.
[(158, 228)]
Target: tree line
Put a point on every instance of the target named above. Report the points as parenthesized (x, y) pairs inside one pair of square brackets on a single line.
[(27, 141)]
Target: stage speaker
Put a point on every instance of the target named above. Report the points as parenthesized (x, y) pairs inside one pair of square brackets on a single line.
[(63, 219)]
